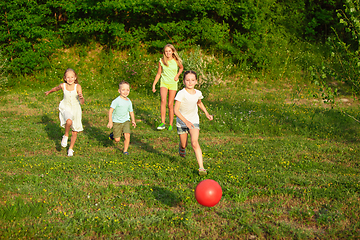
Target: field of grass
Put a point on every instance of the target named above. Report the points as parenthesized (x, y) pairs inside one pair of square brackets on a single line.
[(288, 168)]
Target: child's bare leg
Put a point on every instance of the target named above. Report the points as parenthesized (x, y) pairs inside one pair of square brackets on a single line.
[(172, 94), (126, 141), (67, 127), (73, 139), (183, 140), (163, 94), (194, 134)]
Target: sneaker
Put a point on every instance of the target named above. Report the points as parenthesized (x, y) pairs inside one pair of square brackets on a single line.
[(161, 126), (111, 136), (170, 128), (202, 171), (64, 141), (70, 153)]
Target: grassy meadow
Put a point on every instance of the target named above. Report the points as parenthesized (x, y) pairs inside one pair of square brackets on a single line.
[(288, 166)]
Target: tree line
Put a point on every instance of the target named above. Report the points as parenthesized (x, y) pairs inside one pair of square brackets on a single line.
[(252, 32)]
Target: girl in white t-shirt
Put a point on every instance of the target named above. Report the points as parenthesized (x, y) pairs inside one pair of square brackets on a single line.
[(186, 109)]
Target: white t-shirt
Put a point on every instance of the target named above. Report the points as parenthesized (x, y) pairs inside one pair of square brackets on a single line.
[(188, 106)]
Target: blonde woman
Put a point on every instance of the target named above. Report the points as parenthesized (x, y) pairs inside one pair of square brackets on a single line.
[(169, 69)]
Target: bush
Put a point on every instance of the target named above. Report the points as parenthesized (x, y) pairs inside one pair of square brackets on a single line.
[(210, 70)]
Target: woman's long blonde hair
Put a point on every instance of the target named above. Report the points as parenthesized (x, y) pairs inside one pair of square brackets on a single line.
[(175, 55)]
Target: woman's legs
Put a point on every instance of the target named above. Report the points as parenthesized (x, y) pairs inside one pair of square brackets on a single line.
[(163, 95), (172, 94)]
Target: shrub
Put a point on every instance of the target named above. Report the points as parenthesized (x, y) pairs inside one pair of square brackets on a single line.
[(210, 70)]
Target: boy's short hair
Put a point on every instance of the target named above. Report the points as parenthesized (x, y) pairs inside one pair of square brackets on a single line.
[(123, 82)]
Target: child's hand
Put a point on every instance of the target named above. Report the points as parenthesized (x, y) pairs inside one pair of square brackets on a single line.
[(47, 93), (176, 78), (153, 89), (110, 125), (81, 97), (190, 125), (210, 117), (134, 124)]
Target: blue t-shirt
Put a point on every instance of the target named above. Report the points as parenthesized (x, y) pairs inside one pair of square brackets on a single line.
[(121, 110)]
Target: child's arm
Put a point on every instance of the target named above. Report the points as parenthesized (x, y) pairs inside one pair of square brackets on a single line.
[(133, 119), (181, 68), (203, 108), (79, 91), (158, 75), (110, 123), (57, 88), (179, 115)]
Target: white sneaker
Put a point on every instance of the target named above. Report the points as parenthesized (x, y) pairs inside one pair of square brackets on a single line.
[(70, 153), (64, 141)]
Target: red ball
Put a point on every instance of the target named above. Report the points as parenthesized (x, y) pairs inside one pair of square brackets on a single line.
[(208, 193)]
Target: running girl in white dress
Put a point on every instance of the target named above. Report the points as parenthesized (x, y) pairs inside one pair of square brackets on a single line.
[(70, 109)]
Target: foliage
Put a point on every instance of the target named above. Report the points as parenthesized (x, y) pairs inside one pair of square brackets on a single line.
[(27, 35), (210, 70), (256, 35), (3, 72), (346, 46)]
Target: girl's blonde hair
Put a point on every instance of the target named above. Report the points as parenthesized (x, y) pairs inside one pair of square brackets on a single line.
[(72, 70), (175, 55)]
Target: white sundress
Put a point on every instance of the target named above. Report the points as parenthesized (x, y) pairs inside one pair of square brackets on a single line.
[(70, 109)]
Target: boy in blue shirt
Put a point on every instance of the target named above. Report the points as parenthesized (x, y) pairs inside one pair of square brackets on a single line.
[(119, 116)]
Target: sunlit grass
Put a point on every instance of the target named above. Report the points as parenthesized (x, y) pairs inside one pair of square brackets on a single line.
[(288, 169)]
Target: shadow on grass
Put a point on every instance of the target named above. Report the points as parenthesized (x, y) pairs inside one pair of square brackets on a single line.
[(96, 133), (276, 119), (165, 196), (53, 131), (137, 139), (148, 117)]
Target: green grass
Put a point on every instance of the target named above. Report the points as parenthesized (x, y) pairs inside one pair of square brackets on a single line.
[(288, 168)]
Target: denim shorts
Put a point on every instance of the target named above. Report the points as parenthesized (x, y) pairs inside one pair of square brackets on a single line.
[(182, 130)]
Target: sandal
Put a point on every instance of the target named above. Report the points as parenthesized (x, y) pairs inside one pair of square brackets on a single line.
[(182, 151), (126, 153), (202, 171)]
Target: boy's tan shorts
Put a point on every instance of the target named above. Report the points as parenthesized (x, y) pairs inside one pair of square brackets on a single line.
[(120, 128)]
